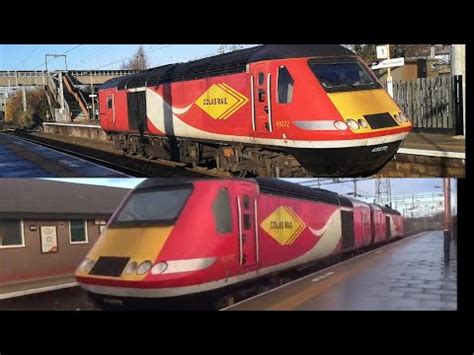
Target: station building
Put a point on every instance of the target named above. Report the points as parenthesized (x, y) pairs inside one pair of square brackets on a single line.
[(47, 227)]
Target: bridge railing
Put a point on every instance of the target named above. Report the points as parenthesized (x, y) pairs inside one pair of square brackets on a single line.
[(41, 73)]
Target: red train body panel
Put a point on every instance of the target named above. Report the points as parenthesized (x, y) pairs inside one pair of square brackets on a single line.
[(281, 103), (170, 239)]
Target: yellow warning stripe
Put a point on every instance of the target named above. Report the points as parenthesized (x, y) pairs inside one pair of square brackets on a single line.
[(241, 100), (233, 109), (301, 227), (226, 113)]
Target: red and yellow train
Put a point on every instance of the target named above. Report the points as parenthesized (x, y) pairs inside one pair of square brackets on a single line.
[(271, 110), (175, 239)]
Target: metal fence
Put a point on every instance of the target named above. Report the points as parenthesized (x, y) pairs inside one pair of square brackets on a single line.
[(434, 104)]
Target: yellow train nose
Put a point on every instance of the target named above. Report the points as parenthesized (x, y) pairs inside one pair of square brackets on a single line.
[(133, 247), (354, 106)]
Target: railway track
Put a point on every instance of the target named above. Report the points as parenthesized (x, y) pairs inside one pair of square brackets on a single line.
[(134, 166)]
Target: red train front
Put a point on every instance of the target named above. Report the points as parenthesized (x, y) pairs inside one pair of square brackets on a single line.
[(172, 239), (258, 109)]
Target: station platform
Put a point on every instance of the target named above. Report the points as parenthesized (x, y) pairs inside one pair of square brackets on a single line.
[(409, 274), (434, 144), (19, 158)]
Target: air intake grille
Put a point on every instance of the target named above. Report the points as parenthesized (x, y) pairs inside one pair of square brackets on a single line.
[(137, 110), (347, 225), (381, 120)]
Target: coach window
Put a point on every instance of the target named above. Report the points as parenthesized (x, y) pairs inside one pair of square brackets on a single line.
[(285, 86), (78, 232), (261, 79), (11, 233), (109, 102), (221, 211)]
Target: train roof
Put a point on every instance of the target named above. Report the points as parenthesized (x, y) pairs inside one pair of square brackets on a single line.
[(223, 64), (389, 210), (289, 189), (386, 209), (267, 185)]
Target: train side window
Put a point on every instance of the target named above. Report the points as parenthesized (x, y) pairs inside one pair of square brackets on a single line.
[(285, 86), (221, 211), (261, 79), (109, 102), (247, 221)]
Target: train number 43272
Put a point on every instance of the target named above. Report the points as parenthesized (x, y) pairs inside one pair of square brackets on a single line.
[(283, 124)]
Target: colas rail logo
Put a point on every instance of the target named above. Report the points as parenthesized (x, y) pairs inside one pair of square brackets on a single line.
[(283, 225), (220, 101)]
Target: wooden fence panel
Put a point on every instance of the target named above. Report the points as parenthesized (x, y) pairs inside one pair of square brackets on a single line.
[(429, 102)]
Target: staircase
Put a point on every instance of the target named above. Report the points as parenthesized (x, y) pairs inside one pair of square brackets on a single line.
[(74, 108), (75, 98)]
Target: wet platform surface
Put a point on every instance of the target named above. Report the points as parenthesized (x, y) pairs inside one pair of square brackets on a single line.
[(19, 158), (434, 142), (409, 274)]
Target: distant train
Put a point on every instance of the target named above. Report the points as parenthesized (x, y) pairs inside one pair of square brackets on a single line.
[(175, 239), (271, 110)]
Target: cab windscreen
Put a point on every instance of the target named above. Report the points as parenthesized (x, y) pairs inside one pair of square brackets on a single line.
[(155, 206), (344, 75)]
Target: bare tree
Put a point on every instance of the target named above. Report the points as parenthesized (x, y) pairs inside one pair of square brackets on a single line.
[(226, 48), (138, 62)]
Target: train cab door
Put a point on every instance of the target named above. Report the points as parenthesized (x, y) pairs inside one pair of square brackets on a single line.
[(247, 226), (261, 99)]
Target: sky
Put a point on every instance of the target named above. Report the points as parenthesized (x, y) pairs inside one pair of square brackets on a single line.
[(96, 57)]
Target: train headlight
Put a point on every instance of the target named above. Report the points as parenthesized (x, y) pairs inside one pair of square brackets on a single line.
[(86, 265), (362, 123), (159, 268), (144, 267), (403, 117), (352, 123), (342, 126), (131, 267), (397, 118)]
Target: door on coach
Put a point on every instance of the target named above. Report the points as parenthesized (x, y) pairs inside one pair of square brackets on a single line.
[(246, 209), (262, 98)]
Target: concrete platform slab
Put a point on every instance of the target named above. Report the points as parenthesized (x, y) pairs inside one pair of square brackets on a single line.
[(409, 274)]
